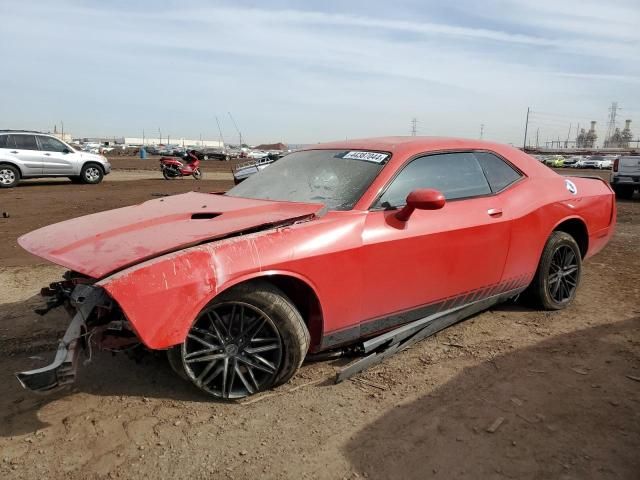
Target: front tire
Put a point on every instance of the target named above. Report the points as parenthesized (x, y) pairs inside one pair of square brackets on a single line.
[(558, 275), (91, 174), (247, 340), (9, 176)]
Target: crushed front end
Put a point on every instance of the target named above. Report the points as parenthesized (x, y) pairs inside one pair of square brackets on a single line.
[(97, 322)]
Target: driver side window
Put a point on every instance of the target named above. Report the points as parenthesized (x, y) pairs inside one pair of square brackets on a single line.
[(456, 175), (49, 144)]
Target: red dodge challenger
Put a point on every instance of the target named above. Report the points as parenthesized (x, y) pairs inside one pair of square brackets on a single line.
[(334, 246)]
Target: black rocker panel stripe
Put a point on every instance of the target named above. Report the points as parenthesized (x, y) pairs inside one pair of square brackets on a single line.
[(370, 327)]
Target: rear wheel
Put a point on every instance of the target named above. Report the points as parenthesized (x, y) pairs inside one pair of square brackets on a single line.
[(197, 174), (624, 191), (9, 176), (247, 340), (91, 173), (556, 281)]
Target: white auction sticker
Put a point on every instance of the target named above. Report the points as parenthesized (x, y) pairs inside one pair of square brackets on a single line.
[(367, 156)]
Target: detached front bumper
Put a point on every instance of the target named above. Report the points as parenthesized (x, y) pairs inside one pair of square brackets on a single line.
[(62, 371)]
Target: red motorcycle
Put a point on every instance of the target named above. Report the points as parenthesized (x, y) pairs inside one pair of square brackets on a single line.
[(174, 167)]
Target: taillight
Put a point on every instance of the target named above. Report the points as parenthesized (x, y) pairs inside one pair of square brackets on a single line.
[(615, 164)]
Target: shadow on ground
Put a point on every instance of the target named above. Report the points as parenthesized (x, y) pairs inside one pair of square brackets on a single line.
[(573, 390), (28, 341)]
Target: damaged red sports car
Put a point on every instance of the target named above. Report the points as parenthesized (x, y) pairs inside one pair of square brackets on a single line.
[(368, 244)]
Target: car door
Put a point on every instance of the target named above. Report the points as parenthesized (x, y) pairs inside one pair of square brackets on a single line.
[(438, 258), (57, 158), (23, 149)]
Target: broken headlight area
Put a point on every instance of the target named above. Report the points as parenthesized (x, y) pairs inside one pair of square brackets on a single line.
[(98, 323)]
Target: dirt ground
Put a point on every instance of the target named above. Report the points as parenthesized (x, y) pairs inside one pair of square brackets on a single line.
[(561, 390)]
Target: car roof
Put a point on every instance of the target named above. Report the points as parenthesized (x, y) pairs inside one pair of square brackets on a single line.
[(403, 148), (23, 131)]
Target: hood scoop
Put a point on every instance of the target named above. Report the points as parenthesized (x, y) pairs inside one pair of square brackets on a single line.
[(204, 216)]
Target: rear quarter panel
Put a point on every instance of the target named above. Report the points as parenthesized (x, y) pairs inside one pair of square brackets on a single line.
[(539, 205)]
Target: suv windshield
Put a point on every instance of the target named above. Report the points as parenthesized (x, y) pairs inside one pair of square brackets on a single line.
[(336, 178)]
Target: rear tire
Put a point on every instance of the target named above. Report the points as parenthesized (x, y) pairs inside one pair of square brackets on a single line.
[(557, 278), (91, 173), (242, 357), (197, 174), (9, 176)]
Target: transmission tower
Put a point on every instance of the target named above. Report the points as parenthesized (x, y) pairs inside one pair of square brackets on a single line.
[(481, 131), (414, 127), (611, 127)]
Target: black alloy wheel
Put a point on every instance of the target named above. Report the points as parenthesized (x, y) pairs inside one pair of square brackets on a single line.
[(562, 279), (557, 278), (233, 350)]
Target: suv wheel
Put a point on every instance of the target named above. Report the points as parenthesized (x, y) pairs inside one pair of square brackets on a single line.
[(9, 176), (91, 173)]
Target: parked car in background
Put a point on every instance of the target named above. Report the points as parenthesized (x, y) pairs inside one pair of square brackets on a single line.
[(324, 249), (625, 176), (571, 161), (592, 162), (605, 164), (555, 161), (215, 154), (29, 154)]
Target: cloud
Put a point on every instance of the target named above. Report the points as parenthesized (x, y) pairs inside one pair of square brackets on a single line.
[(327, 71)]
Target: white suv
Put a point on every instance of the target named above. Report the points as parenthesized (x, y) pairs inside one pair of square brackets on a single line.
[(25, 154)]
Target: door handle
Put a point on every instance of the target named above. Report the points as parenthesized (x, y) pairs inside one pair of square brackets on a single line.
[(495, 212), (14, 151), (48, 154)]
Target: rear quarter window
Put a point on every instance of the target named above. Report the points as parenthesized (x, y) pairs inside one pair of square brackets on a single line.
[(498, 172), (25, 142), (6, 141)]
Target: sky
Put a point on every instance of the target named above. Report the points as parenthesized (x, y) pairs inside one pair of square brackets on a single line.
[(312, 71)]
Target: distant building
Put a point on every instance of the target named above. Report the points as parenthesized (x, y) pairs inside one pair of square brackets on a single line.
[(183, 142), (587, 139), (620, 139), (272, 146)]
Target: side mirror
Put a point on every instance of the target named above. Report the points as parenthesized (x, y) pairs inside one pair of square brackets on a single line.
[(421, 199), (66, 150)]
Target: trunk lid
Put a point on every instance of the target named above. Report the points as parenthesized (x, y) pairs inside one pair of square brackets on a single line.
[(101, 243)]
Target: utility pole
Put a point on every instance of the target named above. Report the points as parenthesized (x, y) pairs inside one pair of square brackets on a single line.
[(566, 143), (526, 127), (537, 133), (143, 136), (414, 127), (236, 125), (160, 136), (62, 124), (481, 131)]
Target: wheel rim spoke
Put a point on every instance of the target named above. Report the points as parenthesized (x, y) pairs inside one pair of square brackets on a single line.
[(263, 348), (255, 365), (242, 378), (206, 358)]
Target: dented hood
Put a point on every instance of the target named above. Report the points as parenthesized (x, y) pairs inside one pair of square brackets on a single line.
[(104, 242)]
